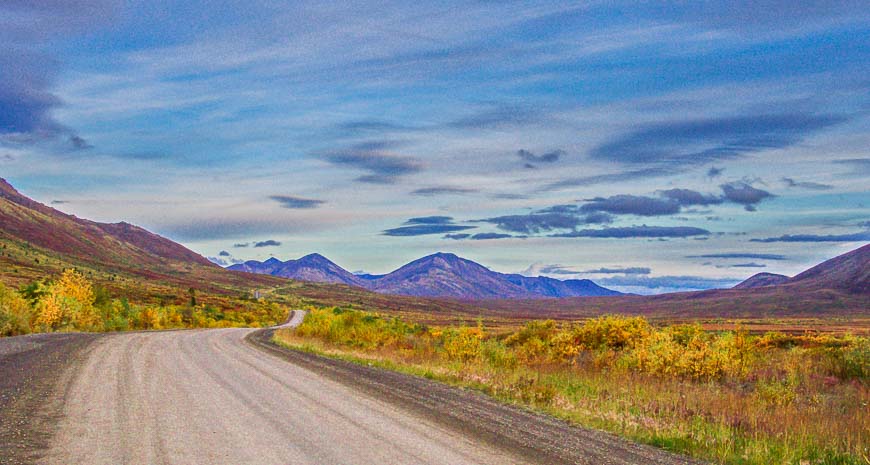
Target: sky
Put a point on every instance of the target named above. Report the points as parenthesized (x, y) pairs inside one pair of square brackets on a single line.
[(649, 146)]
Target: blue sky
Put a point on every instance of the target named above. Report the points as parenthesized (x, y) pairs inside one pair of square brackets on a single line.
[(654, 147)]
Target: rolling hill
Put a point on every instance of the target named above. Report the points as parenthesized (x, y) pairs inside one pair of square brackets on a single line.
[(436, 275), (762, 280), (37, 241)]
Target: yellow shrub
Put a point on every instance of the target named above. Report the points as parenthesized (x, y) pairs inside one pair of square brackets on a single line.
[(463, 344)]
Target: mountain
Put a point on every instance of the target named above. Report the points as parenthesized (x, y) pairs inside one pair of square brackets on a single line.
[(313, 268), (550, 287), (849, 272), (446, 275), (436, 275), (37, 241), (762, 280)]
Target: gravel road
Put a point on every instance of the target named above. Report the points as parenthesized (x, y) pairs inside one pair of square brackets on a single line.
[(229, 396)]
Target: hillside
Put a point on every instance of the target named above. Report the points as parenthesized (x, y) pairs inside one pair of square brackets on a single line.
[(37, 241), (849, 272), (436, 275), (762, 280)]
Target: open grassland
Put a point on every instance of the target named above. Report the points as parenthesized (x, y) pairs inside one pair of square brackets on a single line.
[(726, 396), (72, 303)]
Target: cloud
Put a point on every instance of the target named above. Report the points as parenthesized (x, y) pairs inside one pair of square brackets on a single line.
[(383, 168), (749, 265), (241, 245), (27, 73), (714, 172), (291, 202), (224, 253), (430, 220), (548, 157), (688, 197), (757, 256), (630, 270), (743, 193), (535, 222), (503, 116), (638, 231), (486, 236), (425, 225), (443, 190), (218, 261), (371, 125), (854, 237), (705, 140), (611, 178), (790, 182), (267, 243), (632, 205), (859, 167), (457, 237), (425, 229)]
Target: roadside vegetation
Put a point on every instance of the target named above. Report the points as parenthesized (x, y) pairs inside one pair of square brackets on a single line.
[(72, 303), (725, 396)]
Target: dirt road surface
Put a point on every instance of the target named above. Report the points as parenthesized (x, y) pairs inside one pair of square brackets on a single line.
[(228, 396)]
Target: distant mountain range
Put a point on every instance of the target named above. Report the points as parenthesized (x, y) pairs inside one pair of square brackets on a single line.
[(436, 275), (37, 242)]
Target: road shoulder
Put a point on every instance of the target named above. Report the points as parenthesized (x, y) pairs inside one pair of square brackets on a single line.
[(538, 437), (35, 372)]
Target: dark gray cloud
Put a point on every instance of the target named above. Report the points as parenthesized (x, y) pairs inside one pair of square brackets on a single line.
[(443, 190), (425, 229), (267, 243), (749, 265), (224, 253), (632, 205), (425, 225), (688, 197), (706, 140), (743, 193), (292, 202), (630, 270), (383, 168), (854, 237), (638, 231), (714, 172), (858, 167), (27, 74), (757, 256), (556, 269), (430, 220), (790, 182), (535, 222), (457, 237), (499, 117), (548, 157), (241, 245), (486, 236)]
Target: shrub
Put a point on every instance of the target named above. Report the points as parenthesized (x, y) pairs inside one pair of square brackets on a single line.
[(15, 313)]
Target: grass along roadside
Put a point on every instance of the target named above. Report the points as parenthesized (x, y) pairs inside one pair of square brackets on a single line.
[(724, 396)]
